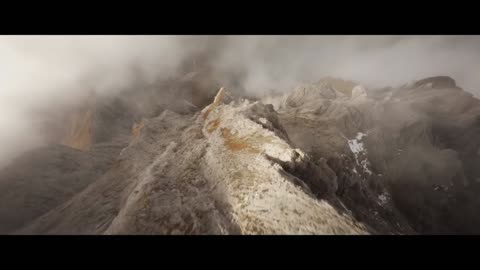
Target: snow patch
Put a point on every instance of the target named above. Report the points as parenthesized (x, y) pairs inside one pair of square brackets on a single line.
[(383, 198), (364, 164), (355, 145), (360, 153), (359, 92)]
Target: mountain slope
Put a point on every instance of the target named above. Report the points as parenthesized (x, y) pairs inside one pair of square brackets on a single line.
[(191, 175), (326, 158)]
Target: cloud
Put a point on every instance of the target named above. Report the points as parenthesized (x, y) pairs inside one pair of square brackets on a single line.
[(282, 61), (43, 73)]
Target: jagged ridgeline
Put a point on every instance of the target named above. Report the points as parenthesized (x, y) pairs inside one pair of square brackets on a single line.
[(182, 157)]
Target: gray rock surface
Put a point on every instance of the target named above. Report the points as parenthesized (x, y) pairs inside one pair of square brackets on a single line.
[(315, 160)]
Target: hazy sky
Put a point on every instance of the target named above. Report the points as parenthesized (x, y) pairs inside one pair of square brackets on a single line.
[(44, 72)]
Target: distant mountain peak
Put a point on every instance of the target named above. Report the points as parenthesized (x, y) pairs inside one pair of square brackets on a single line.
[(435, 82)]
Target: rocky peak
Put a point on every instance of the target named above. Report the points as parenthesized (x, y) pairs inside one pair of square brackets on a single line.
[(435, 82), (322, 162)]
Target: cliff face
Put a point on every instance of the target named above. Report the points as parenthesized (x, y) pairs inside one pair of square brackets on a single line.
[(85, 142), (79, 130), (325, 158), (220, 171), (406, 154)]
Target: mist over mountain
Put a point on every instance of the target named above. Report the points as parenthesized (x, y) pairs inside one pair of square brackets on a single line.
[(308, 134)]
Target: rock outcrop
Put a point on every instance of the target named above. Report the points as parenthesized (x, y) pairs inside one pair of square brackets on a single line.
[(227, 170), (327, 158)]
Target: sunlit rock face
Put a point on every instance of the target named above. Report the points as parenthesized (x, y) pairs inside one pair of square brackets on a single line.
[(331, 157)]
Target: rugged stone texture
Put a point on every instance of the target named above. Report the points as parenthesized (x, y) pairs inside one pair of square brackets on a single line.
[(43, 179), (193, 174), (326, 158)]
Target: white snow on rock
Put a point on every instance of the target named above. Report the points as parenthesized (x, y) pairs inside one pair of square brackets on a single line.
[(365, 164), (383, 198), (263, 120), (356, 145), (360, 153), (359, 92)]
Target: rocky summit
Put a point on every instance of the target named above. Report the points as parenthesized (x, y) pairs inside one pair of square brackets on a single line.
[(331, 157)]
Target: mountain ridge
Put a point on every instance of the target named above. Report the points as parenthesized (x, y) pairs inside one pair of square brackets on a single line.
[(316, 160)]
